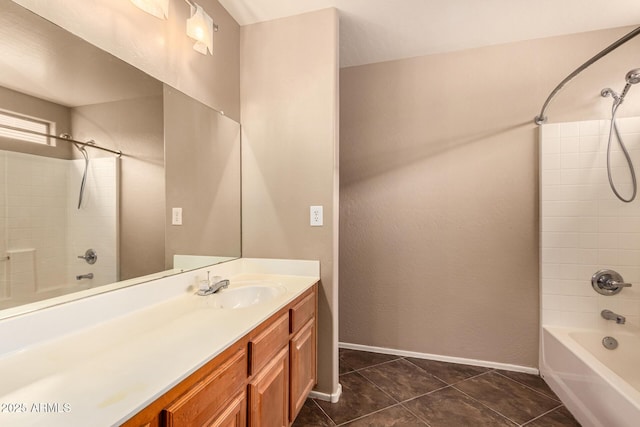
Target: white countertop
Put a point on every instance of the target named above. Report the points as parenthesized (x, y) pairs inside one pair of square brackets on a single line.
[(106, 373)]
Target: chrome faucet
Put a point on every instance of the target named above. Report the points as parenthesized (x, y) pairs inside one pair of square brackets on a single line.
[(211, 286), (610, 315), (84, 276)]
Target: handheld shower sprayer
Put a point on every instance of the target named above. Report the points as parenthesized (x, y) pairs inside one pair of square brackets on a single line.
[(632, 78)]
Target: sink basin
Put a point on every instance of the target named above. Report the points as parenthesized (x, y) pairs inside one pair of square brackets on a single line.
[(245, 295)]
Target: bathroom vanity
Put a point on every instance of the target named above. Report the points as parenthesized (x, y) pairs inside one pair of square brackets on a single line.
[(158, 354), (262, 379)]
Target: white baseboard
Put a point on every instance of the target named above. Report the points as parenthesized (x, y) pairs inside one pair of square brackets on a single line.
[(403, 353), (328, 397)]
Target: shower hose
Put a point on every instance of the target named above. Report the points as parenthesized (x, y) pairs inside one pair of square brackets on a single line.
[(613, 129)]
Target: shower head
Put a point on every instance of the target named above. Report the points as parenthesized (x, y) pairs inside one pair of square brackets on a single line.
[(633, 76)]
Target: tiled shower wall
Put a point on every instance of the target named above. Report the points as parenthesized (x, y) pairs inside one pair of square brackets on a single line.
[(95, 225), (584, 227), (39, 224), (35, 220)]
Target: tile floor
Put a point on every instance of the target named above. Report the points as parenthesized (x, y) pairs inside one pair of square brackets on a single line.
[(383, 390)]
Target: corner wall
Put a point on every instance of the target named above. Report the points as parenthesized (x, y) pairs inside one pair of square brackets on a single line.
[(439, 192), (289, 99), (134, 126)]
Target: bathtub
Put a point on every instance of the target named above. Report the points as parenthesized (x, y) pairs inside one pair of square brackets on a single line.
[(600, 387)]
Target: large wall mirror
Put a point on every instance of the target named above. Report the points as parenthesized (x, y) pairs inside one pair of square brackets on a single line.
[(73, 217)]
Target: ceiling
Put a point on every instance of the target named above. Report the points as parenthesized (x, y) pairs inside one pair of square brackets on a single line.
[(382, 30), (43, 60)]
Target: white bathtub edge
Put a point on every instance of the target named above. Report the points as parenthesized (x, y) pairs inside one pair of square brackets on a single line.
[(594, 394)]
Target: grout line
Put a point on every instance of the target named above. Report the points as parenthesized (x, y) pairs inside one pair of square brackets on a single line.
[(379, 388), (530, 388), (542, 415), (322, 410), (421, 368), (371, 366), (417, 397), (371, 413), (455, 382), (402, 403), (486, 406), (396, 402), (445, 385)]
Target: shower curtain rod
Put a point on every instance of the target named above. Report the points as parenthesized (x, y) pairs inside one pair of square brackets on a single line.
[(541, 118), (62, 138)]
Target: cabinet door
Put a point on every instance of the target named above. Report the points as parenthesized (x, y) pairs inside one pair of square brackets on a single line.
[(303, 366), (269, 393), (233, 415)]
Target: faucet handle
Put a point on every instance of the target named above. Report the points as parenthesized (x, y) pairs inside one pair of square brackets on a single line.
[(620, 284), (204, 287), (90, 256), (608, 282)]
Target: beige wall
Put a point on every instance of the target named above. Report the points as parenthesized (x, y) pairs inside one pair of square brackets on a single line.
[(135, 127), (202, 155), (161, 49), (158, 47), (289, 81), (439, 192)]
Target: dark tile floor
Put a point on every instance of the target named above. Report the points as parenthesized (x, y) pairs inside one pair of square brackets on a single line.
[(382, 390)]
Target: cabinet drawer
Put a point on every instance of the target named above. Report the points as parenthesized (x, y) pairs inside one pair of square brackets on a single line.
[(202, 401), (304, 310), (266, 344)]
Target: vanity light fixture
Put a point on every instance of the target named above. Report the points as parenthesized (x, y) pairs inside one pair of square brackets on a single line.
[(157, 8), (200, 27)]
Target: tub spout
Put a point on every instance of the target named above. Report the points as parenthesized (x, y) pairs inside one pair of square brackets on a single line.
[(610, 315)]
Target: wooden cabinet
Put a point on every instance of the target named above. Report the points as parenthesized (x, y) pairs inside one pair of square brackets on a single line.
[(302, 352), (265, 344), (262, 380), (234, 414), (269, 393), (202, 404), (269, 368), (303, 367)]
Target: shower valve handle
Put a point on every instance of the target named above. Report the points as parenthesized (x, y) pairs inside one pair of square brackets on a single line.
[(608, 282), (90, 256)]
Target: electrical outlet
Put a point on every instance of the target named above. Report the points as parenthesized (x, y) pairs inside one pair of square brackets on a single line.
[(315, 213), (176, 216)]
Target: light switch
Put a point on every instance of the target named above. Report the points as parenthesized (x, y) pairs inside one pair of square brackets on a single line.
[(176, 216)]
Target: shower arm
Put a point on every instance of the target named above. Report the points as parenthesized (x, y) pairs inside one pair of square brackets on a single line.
[(63, 138), (541, 118)]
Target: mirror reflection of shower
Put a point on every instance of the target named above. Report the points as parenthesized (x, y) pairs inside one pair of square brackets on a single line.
[(632, 77), (84, 153)]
